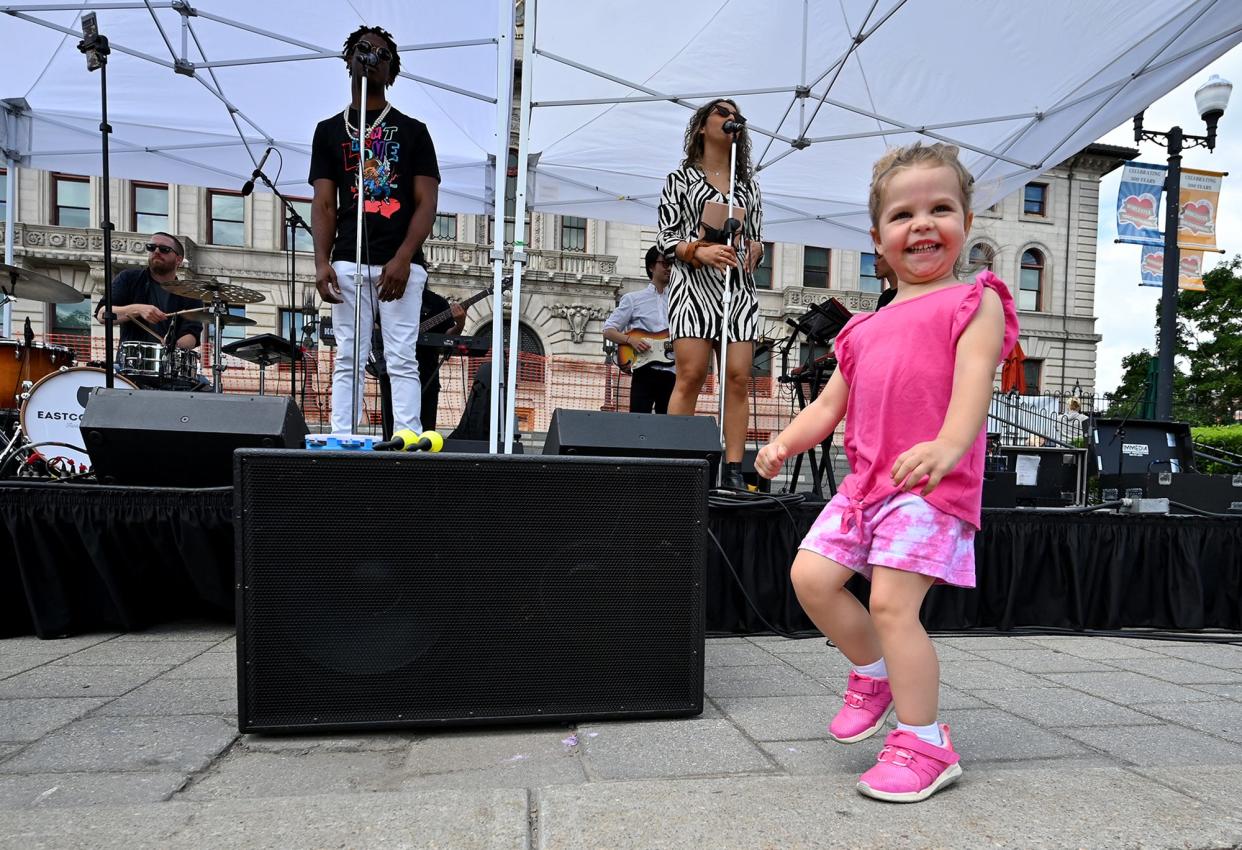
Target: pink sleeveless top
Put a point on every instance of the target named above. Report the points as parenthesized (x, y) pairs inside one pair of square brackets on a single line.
[(899, 365)]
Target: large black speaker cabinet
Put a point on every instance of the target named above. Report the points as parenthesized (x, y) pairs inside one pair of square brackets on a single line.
[(1146, 446), (432, 590), (607, 434), (1219, 493), (175, 439)]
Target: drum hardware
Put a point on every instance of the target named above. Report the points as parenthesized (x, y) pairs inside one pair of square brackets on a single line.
[(220, 295), (264, 350)]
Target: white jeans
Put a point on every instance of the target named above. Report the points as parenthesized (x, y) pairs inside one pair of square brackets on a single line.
[(399, 321)]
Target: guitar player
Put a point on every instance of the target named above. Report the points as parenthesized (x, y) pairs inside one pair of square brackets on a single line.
[(645, 312)]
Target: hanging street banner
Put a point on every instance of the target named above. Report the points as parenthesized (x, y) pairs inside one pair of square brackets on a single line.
[(1200, 200), (1138, 203), (1151, 268)]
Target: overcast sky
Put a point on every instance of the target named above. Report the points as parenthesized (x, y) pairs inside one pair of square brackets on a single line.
[(1125, 311)]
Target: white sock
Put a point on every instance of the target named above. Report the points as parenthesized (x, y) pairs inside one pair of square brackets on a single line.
[(930, 733), (875, 671)]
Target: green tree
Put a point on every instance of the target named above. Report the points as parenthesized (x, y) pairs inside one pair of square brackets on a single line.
[(1135, 396), (1210, 339)]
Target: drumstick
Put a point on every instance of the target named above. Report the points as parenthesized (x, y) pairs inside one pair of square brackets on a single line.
[(140, 323)]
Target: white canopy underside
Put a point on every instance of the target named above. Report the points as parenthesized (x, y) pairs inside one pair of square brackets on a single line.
[(1020, 87), (259, 73)]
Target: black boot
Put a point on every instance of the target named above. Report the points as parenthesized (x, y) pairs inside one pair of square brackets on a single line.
[(733, 479)]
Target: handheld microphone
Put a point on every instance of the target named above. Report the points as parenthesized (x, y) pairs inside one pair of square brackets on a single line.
[(733, 125), (406, 440), (248, 186)]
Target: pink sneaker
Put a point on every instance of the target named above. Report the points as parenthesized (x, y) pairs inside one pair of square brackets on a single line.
[(868, 703), (909, 769)]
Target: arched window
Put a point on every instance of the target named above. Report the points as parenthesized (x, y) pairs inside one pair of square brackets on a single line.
[(531, 358), (1031, 282), (981, 257)]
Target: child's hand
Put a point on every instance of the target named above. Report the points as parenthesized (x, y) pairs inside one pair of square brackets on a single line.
[(924, 462), (770, 458)]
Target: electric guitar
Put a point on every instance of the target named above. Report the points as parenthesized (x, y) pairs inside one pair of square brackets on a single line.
[(433, 322), (630, 358)]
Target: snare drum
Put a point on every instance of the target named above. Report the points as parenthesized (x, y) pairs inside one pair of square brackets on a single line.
[(21, 364), (54, 410), (143, 358)]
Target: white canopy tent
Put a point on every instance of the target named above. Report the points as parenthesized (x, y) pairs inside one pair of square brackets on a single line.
[(828, 85), (198, 90)]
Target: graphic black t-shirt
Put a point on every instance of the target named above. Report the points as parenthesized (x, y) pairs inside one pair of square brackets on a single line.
[(134, 286), (397, 151)]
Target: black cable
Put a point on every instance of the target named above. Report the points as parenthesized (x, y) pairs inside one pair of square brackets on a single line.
[(1230, 638), (742, 587), (1201, 511)]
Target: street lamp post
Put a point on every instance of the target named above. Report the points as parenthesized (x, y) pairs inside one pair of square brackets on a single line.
[(1211, 98)]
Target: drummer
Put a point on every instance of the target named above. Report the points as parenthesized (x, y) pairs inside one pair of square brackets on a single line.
[(138, 298)]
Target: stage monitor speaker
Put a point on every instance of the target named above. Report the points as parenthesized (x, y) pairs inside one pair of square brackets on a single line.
[(606, 434), (1047, 476), (432, 590), (175, 439), (1000, 489), (1145, 446), (1220, 493)]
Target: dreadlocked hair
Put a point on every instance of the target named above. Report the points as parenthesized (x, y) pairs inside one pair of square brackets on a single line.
[(394, 66)]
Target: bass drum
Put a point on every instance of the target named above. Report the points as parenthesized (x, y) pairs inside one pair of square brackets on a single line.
[(51, 413)]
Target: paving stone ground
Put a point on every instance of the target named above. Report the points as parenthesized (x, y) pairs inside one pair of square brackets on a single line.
[(1067, 742)]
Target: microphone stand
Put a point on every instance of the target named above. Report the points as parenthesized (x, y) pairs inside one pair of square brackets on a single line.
[(363, 132), (731, 226), (294, 221), (96, 49)]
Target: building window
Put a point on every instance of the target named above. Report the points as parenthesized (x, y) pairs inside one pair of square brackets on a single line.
[(763, 274), (232, 333), (1033, 373), (150, 204), (71, 201), (300, 318), (4, 195), (1031, 283), (226, 223), (302, 239), (815, 267), (1035, 199), (981, 257), (71, 326), (444, 227), (868, 281), (573, 233)]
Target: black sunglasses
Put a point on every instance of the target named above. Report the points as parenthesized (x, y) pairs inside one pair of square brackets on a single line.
[(365, 48), (724, 111), (163, 249)]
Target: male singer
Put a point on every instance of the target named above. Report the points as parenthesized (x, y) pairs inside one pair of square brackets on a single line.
[(400, 186)]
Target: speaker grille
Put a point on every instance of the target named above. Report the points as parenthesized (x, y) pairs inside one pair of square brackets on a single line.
[(381, 590)]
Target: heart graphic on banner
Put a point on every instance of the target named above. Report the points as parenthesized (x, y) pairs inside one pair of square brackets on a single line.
[(1139, 210), (1197, 217), (1153, 262), (1191, 266)]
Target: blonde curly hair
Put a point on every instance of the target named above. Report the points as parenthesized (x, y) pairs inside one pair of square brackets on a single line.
[(909, 156)]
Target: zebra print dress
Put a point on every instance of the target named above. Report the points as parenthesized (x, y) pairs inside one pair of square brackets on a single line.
[(696, 296)]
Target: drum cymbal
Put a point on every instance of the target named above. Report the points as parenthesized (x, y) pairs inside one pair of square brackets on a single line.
[(208, 317), (207, 290), (24, 283)]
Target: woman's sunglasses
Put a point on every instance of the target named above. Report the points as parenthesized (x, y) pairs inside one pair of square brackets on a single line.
[(724, 111), (365, 48)]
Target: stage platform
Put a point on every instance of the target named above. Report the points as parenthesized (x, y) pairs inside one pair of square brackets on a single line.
[(78, 558)]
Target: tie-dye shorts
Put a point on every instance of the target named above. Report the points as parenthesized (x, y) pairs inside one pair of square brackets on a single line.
[(903, 532)]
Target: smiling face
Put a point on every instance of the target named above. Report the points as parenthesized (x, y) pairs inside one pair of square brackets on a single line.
[(922, 224)]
